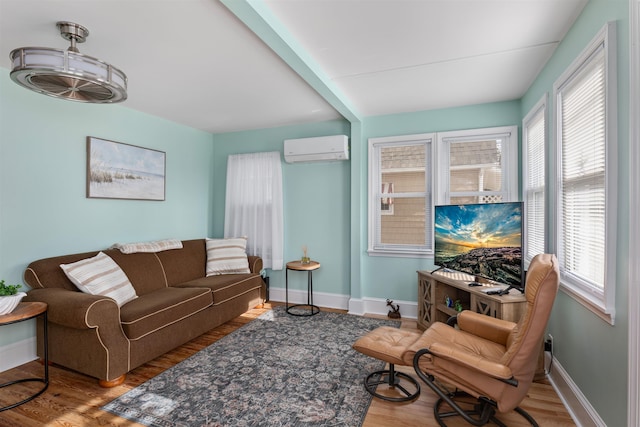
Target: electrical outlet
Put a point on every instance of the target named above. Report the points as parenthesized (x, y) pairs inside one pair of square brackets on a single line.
[(548, 343)]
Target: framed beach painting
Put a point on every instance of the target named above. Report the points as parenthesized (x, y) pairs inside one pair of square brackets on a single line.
[(123, 171)]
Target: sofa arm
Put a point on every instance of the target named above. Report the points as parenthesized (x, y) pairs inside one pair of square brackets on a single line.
[(87, 332), (76, 309), (255, 264)]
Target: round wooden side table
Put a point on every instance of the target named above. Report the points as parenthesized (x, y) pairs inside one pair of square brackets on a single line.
[(25, 311), (308, 267)]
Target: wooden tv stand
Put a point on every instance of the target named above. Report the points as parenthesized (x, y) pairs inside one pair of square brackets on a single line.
[(433, 288)]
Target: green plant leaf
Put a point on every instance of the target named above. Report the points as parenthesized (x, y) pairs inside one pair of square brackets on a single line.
[(8, 290)]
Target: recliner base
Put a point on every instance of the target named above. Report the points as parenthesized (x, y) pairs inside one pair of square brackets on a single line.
[(395, 380), (483, 412)]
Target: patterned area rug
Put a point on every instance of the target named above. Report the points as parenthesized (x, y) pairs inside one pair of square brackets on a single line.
[(278, 370)]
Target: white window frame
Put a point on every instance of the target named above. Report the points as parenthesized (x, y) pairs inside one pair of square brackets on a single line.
[(538, 110), (375, 248), (509, 161), (634, 206), (602, 303)]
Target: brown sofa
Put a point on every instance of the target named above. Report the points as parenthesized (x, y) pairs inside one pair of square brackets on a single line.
[(176, 303)]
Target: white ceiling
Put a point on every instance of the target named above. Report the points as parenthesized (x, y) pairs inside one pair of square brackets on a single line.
[(201, 64)]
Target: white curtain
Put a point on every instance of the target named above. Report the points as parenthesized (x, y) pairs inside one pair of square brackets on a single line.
[(253, 205)]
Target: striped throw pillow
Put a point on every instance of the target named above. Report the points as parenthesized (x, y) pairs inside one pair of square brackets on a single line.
[(100, 275), (227, 256), (156, 246)]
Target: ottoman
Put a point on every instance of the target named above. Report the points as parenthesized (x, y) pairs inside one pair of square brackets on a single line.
[(389, 344)]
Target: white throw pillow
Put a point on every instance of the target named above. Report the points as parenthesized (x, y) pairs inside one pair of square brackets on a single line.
[(101, 275), (227, 256)]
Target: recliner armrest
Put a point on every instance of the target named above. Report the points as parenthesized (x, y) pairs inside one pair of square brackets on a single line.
[(487, 327), (469, 360)]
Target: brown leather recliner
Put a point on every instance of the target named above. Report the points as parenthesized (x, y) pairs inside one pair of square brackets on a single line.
[(489, 359)]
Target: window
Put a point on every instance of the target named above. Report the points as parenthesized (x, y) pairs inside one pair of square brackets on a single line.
[(254, 205), (478, 166), (400, 202), (586, 125), (533, 166)]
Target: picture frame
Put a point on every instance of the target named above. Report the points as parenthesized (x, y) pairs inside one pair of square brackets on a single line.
[(116, 170)]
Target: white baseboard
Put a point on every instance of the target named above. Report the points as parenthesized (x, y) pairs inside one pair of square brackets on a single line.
[(321, 299), (408, 309), (583, 414), (17, 354)]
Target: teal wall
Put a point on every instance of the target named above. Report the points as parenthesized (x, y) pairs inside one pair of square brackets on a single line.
[(44, 212), (43, 208), (593, 352), (395, 277), (318, 198), (316, 203)]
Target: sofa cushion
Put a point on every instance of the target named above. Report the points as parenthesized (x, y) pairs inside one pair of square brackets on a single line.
[(188, 263), (161, 308), (227, 256), (100, 275), (143, 270), (226, 287)]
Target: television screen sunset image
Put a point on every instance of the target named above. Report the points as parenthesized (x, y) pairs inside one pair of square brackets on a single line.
[(480, 239)]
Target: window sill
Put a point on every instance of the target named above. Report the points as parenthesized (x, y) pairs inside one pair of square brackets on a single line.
[(398, 254), (590, 303)]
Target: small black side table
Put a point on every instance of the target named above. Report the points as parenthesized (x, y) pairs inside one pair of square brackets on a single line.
[(25, 311), (308, 267)]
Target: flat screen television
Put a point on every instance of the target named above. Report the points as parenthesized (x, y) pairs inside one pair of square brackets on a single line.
[(483, 240)]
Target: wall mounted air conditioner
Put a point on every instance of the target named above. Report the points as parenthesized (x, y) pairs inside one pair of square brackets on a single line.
[(321, 148)]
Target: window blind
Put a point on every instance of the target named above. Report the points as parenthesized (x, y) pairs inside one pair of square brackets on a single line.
[(535, 184), (583, 153)]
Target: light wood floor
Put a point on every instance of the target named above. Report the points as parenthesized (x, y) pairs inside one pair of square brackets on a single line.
[(74, 400)]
